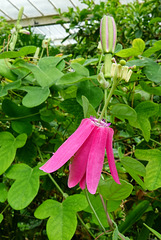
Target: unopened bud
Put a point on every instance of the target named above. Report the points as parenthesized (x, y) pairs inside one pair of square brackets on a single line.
[(114, 70), (128, 75), (108, 34), (24, 31), (122, 62)]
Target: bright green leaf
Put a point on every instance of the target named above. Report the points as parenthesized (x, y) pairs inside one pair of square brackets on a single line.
[(123, 111), (1, 218), (25, 188), (5, 88), (3, 192), (110, 190), (88, 109), (22, 52), (35, 96), (8, 146), (92, 93), (5, 69), (139, 45), (133, 165)]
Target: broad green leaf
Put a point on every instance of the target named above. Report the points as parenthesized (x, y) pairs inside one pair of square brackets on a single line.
[(22, 52), (62, 225), (15, 111), (62, 222), (153, 71), (22, 127), (133, 165), (123, 111), (80, 74), (115, 234), (50, 61), (153, 175), (35, 96), (5, 70), (20, 140), (151, 90), (76, 202), (145, 110), (151, 50), (8, 147), (148, 155), (13, 85), (3, 192), (92, 93), (1, 218), (138, 46), (110, 190), (25, 188), (46, 76), (88, 109), (69, 92), (72, 106), (153, 231), (153, 168)]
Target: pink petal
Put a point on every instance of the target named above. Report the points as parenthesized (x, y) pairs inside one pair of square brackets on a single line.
[(96, 159), (69, 147), (78, 165), (110, 156), (82, 183)]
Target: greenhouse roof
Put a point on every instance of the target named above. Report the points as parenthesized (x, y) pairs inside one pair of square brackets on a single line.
[(39, 14)]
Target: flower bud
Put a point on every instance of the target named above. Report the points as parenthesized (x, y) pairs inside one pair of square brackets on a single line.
[(108, 34)]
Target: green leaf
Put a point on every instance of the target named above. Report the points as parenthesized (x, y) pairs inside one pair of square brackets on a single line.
[(25, 188), (8, 147), (76, 202), (5, 88), (110, 190), (35, 96), (46, 76), (88, 90), (123, 111), (22, 52), (145, 110), (78, 75), (133, 165), (1, 218), (155, 48), (151, 90), (153, 71), (5, 70), (88, 109), (148, 155), (62, 222), (3, 192), (22, 127), (153, 168), (153, 231), (138, 46)]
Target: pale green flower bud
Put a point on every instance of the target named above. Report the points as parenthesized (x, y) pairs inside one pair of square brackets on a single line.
[(108, 34)]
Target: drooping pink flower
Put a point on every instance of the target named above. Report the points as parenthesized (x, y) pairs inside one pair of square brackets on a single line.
[(87, 147)]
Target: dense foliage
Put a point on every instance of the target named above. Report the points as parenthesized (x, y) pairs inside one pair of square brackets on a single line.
[(44, 99)]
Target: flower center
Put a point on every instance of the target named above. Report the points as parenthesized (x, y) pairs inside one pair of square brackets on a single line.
[(102, 123)]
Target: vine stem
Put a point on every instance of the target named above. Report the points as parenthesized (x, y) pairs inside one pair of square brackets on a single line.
[(107, 215), (91, 206), (65, 195), (114, 85)]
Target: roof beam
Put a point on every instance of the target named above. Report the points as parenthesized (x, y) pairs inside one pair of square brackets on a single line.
[(37, 21)]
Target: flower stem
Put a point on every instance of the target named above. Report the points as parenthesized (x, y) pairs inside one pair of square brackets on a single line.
[(65, 195), (114, 85), (107, 65), (107, 215), (91, 206)]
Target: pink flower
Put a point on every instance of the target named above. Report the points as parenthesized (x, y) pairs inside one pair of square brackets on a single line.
[(87, 145)]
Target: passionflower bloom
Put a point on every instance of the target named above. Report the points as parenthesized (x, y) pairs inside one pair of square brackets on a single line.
[(108, 34), (86, 149)]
